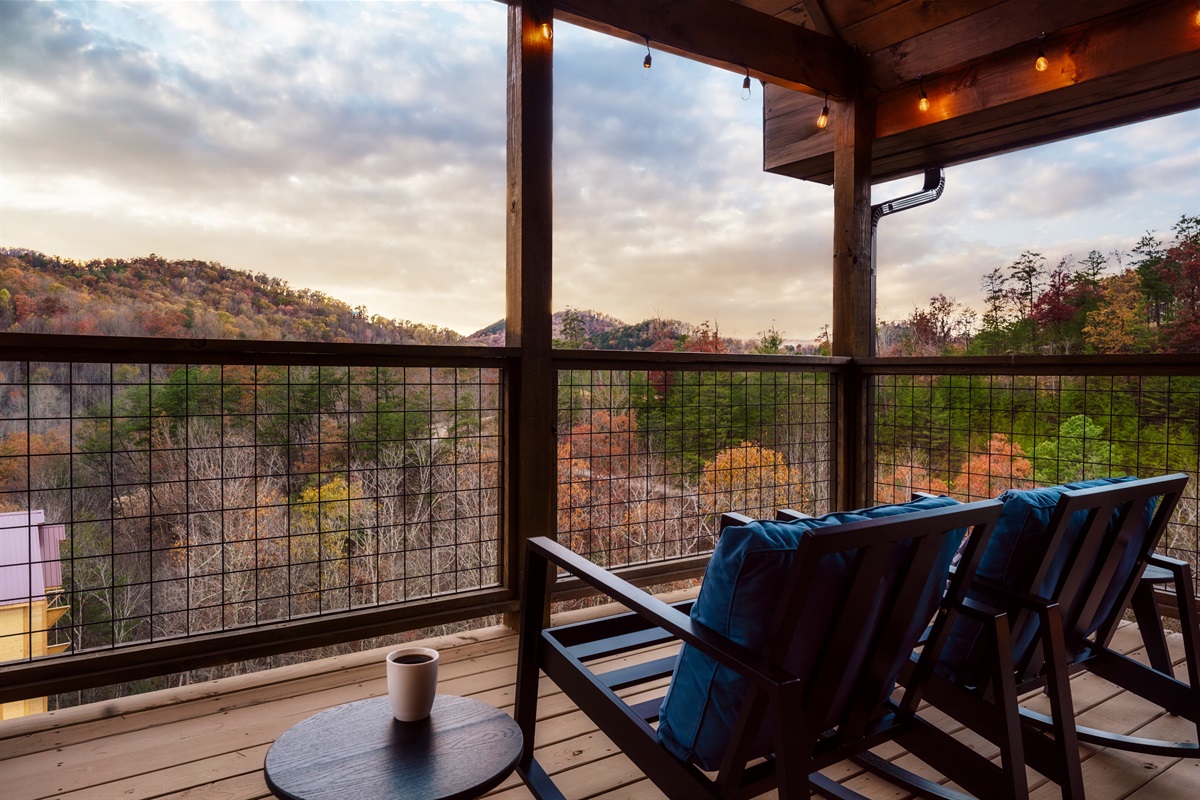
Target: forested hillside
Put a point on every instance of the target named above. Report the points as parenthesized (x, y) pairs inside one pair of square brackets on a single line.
[(152, 296), (1143, 301)]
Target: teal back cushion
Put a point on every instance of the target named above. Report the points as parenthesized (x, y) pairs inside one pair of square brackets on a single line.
[(742, 585), (1011, 559)]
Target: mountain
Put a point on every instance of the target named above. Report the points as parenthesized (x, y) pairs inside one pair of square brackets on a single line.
[(593, 323), (152, 296)]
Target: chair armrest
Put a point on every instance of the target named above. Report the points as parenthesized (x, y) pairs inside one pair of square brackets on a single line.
[(791, 515), (1171, 565), (731, 518), (650, 608), (1026, 599)]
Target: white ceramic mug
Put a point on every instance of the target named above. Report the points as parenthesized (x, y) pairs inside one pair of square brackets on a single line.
[(412, 682)]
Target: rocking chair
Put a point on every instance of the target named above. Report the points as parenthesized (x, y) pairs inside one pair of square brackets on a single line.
[(789, 656)]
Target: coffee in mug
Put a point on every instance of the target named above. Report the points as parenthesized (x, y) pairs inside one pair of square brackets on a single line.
[(412, 682)]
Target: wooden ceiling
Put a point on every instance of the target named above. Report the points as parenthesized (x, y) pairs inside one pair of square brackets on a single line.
[(1111, 62)]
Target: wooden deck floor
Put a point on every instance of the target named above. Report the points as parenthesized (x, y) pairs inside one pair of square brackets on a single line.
[(209, 740)]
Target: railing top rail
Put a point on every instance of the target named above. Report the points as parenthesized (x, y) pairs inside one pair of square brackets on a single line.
[(151, 350), (624, 359), (1159, 364)]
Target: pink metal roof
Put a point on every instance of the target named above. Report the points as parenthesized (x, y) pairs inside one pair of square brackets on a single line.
[(28, 556)]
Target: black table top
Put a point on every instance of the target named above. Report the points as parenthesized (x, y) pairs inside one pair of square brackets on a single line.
[(464, 749)]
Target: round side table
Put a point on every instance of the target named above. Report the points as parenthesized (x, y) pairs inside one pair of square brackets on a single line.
[(464, 749)]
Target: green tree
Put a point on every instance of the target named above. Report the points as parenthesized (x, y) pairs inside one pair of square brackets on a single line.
[(1079, 452)]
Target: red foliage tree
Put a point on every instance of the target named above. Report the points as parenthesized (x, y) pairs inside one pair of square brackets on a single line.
[(985, 475), (1181, 271)]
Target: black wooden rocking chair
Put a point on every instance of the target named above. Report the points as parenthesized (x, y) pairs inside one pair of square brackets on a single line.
[(1065, 564), (803, 674)]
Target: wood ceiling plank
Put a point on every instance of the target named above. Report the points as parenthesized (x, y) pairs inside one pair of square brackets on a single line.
[(1092, 72), (771, 7), (722, 34), (846, 13), (1073, 111), (1113, 48), (908, 19), (993, 29)]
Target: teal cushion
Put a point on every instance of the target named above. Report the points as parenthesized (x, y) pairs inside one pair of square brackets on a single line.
[(742, 585), (1012, 558)]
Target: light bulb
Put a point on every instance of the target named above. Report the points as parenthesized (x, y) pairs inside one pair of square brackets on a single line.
[(647, 60), (923, 103), (547, 31), (1042, 63), (823, 120), (746, 85)]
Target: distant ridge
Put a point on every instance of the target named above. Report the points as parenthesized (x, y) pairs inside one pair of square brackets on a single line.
[(151, 296), (593, 322)]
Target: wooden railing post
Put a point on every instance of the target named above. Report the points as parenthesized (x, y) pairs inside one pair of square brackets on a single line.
[(530, 478), (853, 288)]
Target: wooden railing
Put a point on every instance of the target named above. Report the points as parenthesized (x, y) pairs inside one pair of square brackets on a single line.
[(231, 500)]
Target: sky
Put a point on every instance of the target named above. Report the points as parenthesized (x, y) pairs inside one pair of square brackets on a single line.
[(358, 149)]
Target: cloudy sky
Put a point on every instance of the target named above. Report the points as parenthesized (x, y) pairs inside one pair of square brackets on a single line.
[(358, 149)]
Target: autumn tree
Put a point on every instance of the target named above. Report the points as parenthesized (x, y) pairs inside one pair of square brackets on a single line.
[(1118, 324), (1180, 271), (985, 475), (750, 479), (941, 327), (900, 486)]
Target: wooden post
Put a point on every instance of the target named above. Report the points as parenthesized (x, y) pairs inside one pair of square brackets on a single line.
[(853, 286), (530, 474)]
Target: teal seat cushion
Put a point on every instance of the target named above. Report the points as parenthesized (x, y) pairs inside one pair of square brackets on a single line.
[(1012, 558), (742, 585)]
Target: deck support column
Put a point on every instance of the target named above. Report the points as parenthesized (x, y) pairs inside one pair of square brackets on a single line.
[(853, 288), (529, 464)]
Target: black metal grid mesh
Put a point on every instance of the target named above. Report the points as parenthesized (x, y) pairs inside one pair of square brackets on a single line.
[(975, 435), (649, 459), (200, 498)]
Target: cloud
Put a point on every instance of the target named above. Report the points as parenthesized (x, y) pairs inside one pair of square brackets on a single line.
[(359, 149)]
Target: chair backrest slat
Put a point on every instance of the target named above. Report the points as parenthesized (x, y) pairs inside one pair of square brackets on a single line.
[(1090, 554)]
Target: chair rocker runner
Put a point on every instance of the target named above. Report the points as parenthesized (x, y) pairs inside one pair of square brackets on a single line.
[(788, 660), (1065, 564)]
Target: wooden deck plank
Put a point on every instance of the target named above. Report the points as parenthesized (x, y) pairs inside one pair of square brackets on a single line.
[(209, 740)]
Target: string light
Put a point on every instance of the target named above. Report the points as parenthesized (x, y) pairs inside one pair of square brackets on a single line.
[(547, 31), (746, 85), (823, 120), (923, 102), (648, 60), (1042, 62)]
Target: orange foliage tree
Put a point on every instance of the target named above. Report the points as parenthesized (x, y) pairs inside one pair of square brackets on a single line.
[(899, 486), (596, 460), (985, 475), (751, 480), (1118, 325)]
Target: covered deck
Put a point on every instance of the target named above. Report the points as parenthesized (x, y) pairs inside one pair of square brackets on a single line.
[(869, 61), (210, 739)]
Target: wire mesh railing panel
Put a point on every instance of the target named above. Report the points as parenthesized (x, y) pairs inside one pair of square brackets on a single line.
[(648, 459), (973, 435), (194, 498)]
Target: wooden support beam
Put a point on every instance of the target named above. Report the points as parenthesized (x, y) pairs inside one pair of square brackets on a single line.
[(529, 477), (722, 34), (853, 286), (1119, 70), (853, 278)]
